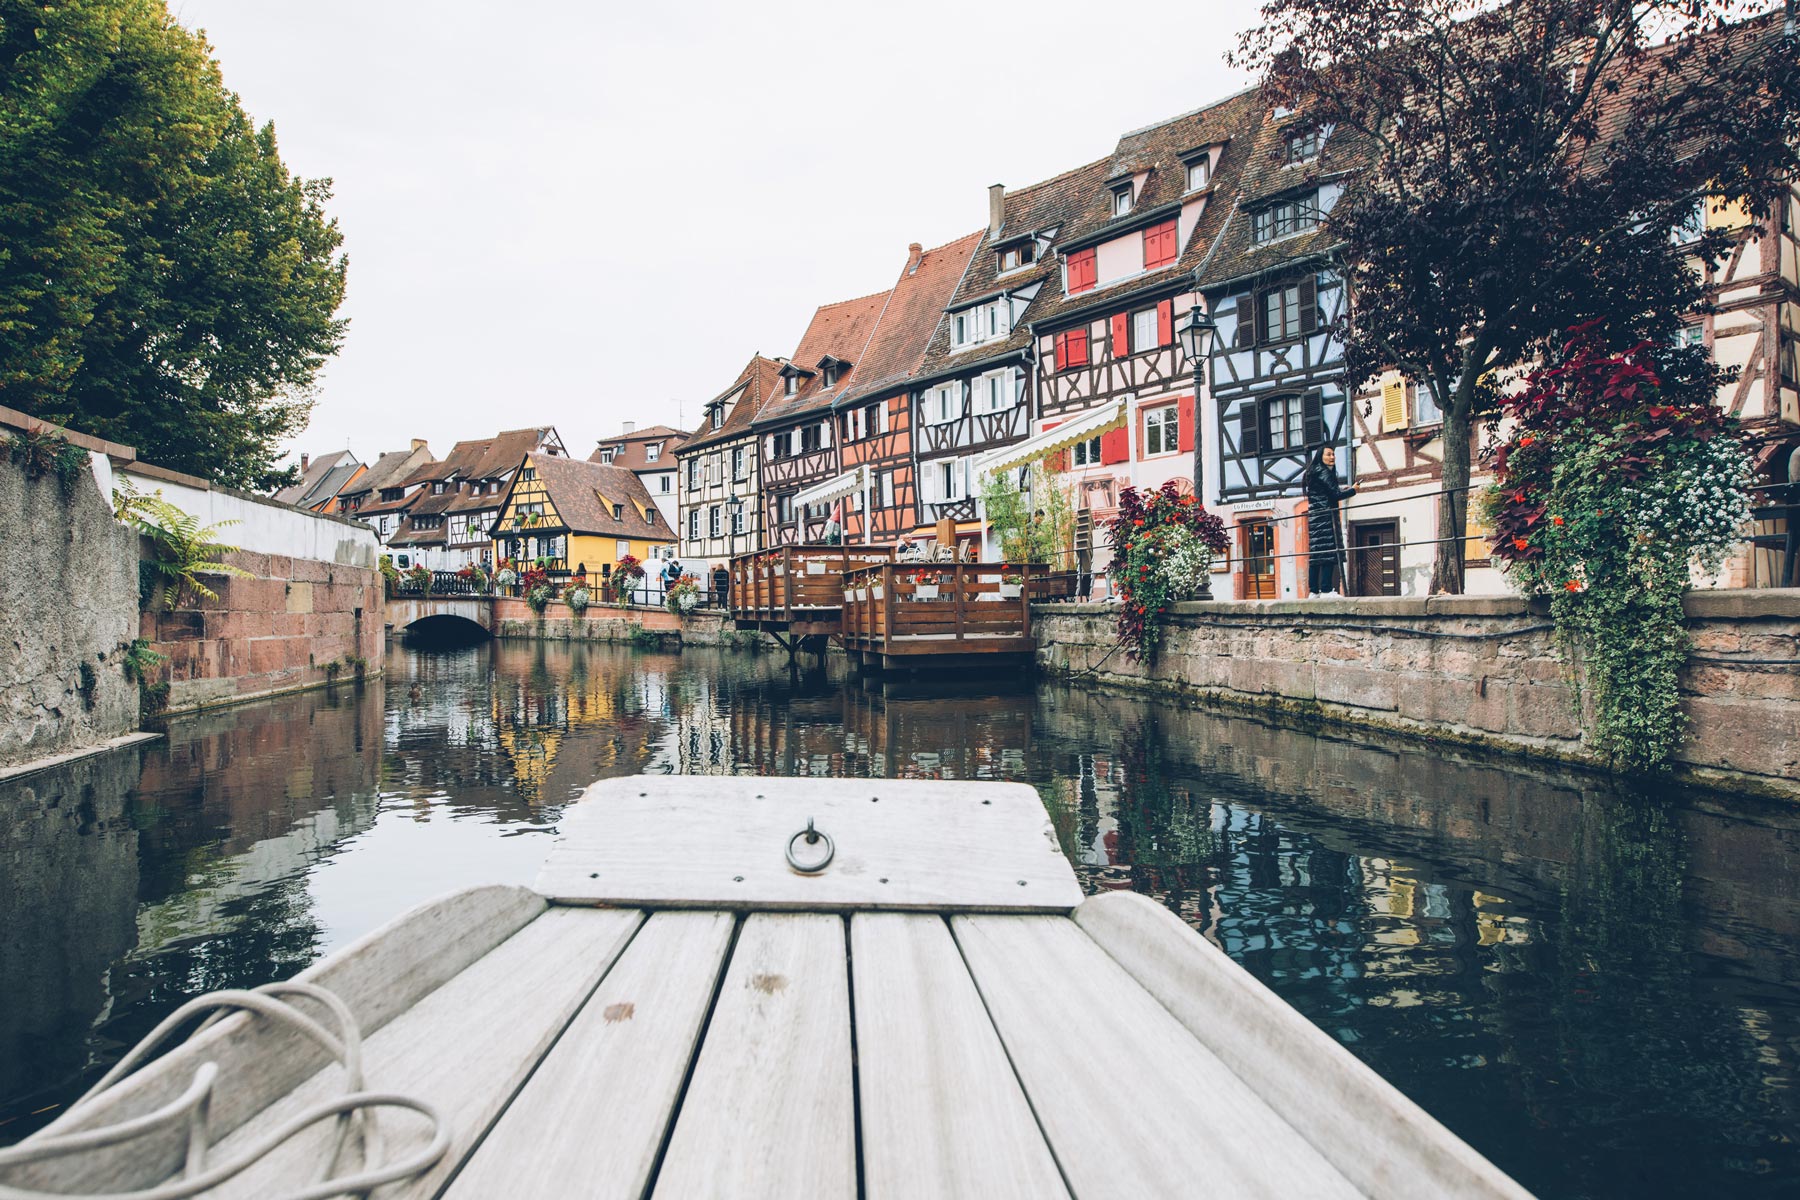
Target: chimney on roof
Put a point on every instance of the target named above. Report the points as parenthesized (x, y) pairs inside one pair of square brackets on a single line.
[(996, 207), (630, 426), (305, 461), (418, 443), (914, 253)]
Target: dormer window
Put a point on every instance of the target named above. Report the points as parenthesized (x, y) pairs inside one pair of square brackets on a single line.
[(830, 375), (717, 413), (618, 512), (1014, 257), (1302, 144), (437, 489), (1121, 200), (831, 370), (791, 385), (607, 454), (652, 452), (983, 323), (1199, 173)]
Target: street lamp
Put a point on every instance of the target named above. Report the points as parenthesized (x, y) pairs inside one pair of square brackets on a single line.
[(1197, 334)]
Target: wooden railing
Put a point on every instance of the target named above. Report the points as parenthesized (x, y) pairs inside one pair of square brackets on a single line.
[(797, 582), (954, 608)]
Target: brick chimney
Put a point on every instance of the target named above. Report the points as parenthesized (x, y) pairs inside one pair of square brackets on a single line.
[(996, 207), (914, 253), (305, 462), (418, 443)]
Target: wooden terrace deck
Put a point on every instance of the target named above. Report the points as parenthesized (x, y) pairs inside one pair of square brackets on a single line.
[(940, 614), (797, 590)]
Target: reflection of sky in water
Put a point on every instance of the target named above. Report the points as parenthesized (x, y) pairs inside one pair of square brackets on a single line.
[(1598, 991)]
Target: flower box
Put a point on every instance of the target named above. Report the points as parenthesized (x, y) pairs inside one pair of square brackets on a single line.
[(877, 592), (925, 591), (1011, 591)]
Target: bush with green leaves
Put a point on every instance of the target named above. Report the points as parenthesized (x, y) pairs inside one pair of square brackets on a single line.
[(182, 551), (1033, 524), (1617, 477)]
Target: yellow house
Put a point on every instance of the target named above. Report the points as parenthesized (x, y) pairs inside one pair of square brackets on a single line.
[(578, 517)]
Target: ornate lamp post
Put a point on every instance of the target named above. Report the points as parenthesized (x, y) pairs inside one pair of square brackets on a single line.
[(1197, 334)]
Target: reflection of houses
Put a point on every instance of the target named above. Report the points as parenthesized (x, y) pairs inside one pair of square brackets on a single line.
[(651, 454), (721, 510), (578, 518), (795, 443)]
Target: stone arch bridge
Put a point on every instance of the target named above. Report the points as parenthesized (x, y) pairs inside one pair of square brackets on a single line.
[(444, 614)]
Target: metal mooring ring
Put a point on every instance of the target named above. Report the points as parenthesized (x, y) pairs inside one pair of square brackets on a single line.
[(812, 837)]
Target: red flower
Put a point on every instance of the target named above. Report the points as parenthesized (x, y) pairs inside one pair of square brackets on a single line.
[(1527, 440), (1518, 497), (1139, 521), (1521, 544), (1574, 585), (1556, 520)]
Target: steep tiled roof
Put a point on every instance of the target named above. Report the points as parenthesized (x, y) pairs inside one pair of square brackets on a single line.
[(1158, 152), (317, 478), (840, 330), (914, 311), (406, 535), (1266, 178), (756, 383), (389, 469), (631, 450), (1054, 206), (575, 488), (502, 452)]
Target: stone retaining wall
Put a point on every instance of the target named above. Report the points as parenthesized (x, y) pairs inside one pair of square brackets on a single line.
[(513, 618), (296, 623), (1480, 670), (68, 609)]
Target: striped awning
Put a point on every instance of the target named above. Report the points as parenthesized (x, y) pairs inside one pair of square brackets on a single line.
[(832, 489), (1088, 424)]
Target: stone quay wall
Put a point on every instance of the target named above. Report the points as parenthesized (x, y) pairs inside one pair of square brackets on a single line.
[(68, 611), (295, 623), (1466, 669), (513, 618)]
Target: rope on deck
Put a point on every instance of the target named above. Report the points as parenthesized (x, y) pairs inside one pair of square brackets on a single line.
[(353, 1110)]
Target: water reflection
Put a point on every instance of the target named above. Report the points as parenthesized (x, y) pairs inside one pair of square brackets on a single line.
[(1597, 990)]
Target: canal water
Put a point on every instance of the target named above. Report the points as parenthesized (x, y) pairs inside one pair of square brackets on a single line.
[(1598, 989)]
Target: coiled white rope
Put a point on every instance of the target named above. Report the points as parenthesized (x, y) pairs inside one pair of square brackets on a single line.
[(353, 1110)]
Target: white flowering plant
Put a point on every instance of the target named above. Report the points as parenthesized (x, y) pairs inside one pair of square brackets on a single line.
[(1620, 477)]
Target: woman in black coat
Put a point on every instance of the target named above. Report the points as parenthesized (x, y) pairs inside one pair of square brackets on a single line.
[(1325, 545)]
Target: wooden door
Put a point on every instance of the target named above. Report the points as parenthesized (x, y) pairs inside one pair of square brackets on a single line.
[(1256, 544), (1374, 558)]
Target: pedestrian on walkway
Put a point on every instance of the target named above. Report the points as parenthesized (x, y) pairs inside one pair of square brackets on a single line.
[(1324, 541)]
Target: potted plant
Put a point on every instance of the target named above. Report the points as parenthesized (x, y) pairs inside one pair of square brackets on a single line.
[(626, 575), (925, 585), (684, 596), (420, 578), (1012, 586)]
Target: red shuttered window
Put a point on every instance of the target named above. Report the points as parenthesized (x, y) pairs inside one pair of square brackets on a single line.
[(1071, 349), (1186, 405), (1165, 323), (1081, 270), (1159, 245), (1115, 447), (1121, 335)]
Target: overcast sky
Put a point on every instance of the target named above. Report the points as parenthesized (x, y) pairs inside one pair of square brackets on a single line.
[(584, 214)]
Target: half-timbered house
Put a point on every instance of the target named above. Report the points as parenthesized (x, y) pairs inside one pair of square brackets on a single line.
[(796, 435), (972, 393), (1276, 390), (1114, 389), (720, 509), (875, 417), (578, 518)]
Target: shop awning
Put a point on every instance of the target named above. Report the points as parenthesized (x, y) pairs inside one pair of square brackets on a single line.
[(831, 489), (1088, 424)]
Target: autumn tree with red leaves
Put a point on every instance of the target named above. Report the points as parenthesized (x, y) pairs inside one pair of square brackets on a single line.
[(1522, 167)]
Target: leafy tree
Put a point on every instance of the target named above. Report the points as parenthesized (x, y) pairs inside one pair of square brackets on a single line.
[(1521, 167), (164, 281)]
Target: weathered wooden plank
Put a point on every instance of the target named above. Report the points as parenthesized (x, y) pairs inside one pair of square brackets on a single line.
[(942, 1113), (465, 1048), (1132, 1103), (1383, 1142), (685, 841), (770, 1110), (599, 1106), (377, 976)]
